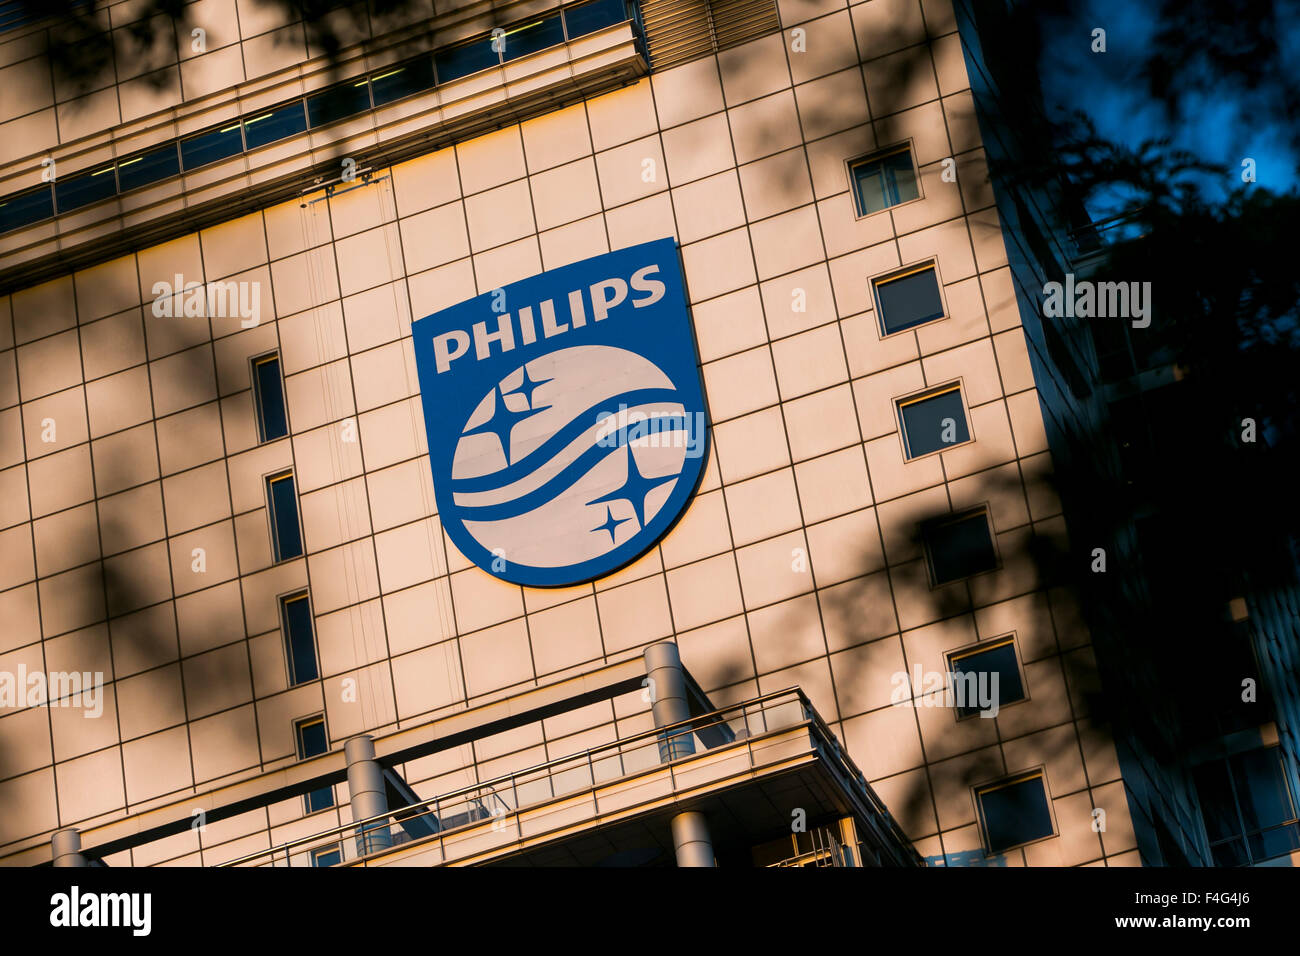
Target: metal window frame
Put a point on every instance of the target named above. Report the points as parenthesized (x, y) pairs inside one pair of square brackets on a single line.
[(932, 265), (253, 364), (276, 551), (283, 600), (878, 156), (298, 724), (928, 394), (964, 515), (992, 644), (1001, 783)]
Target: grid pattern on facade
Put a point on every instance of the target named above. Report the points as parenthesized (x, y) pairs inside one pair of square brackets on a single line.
[(798, 562)]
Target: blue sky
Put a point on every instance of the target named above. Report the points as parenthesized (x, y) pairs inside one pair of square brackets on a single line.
[(1221, 126)]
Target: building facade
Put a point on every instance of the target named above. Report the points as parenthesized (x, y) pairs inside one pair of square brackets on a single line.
[(219, 511)]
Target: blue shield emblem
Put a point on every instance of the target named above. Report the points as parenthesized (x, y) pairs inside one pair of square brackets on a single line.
[(565, 416)]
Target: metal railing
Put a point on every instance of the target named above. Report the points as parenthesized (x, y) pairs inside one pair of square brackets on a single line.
[(578, 774)]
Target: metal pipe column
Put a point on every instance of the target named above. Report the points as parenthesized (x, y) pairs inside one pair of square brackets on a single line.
[(669, 705), (65, 847), (367, 793)]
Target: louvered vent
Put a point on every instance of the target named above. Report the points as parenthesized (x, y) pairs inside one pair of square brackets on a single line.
[(739, 21), (681, 30)]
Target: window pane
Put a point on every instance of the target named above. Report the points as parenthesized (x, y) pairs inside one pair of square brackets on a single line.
[(870, 180), (531, 37), (276, 125), (933, 423), (330, 857), (463, 60), (1218, 810), (270, 399), (1000, 660), (884, 182), (26, 208), (960, 548), (909, 300), (1273, 843), (394, 84), (298, 640), (901, 177), (311, 742), (1261, 788), (211, 146), (284, 518), (149, 168), (85, 189), (1015, 813), (1232, 853), (591, 17), (311, 739), (336, 103)]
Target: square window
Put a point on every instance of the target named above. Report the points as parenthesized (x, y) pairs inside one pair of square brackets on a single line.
[(299, 643), (933, 421), (884, 180), (327, 856), (908, 299), (959, 547), (282, 506), (986, 674), (1014, 812), (312, 742), (268, 395)]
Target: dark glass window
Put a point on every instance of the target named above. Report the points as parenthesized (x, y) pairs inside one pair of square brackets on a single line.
[(26, 208), (463, 60), (402, 81), (960, 546), (275, 125), (84, 189), (268, 392), (329, 856), (300, 647), (282, 502), (311, 743), (339, 102), (590, 17), (997, 658), (150, 167), (1248, 809), (883, 181), (1014, 812), (933, 422), (909, 299), (530, 37), (211, 146)]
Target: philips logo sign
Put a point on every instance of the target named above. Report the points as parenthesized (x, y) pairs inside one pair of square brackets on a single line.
[(565, 416)]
